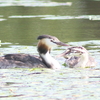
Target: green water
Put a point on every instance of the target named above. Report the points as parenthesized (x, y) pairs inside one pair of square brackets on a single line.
[(22, 21)]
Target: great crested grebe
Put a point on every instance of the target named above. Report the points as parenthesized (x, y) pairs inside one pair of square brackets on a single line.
[(78, 57), (45, 44)]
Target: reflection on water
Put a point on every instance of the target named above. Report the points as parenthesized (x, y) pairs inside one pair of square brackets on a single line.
[(76, 22)]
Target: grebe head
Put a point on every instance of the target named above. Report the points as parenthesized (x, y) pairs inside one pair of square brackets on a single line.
[(74, 51), (47, 42), (78, 51)]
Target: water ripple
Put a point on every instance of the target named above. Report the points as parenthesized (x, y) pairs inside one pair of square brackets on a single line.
[(34, 3), (58, 17)]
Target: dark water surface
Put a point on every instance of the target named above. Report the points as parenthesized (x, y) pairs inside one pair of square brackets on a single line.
[(76, 22)]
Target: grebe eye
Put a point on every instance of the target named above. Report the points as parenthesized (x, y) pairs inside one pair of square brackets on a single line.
[(52, 40)]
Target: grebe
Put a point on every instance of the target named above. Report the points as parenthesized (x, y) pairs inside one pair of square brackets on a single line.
[(78, 57), (45, 44)]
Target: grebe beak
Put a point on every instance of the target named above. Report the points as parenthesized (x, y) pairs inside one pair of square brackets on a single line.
[(61, 43)]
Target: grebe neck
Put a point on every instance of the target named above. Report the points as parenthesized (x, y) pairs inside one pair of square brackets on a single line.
[(44, 52), (49, 61)]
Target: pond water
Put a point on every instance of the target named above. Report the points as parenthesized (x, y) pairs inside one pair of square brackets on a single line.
[(76, 22)]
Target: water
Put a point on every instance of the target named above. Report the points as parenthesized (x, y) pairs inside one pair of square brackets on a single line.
[(22, 21), (74, 22)]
